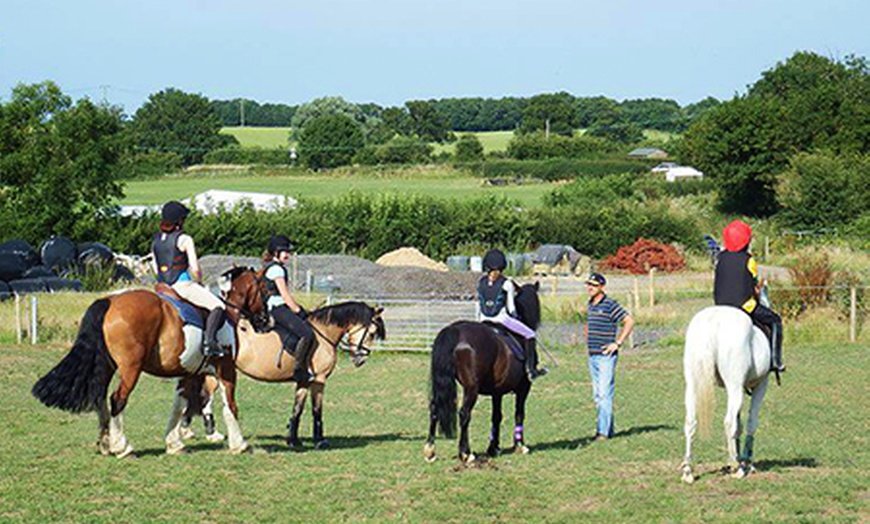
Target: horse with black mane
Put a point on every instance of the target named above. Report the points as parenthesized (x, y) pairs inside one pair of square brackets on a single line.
[(484, 363)]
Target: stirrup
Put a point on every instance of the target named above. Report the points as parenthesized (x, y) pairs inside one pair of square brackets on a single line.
[(303, 375), (215, 350)]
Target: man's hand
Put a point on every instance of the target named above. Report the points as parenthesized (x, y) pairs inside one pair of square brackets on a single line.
[(611, 348)]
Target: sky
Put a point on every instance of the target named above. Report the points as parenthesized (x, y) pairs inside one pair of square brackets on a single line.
[(392, 51)]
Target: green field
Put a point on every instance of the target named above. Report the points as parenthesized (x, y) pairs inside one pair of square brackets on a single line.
[(265, 137), (442, 182), (811, 451)]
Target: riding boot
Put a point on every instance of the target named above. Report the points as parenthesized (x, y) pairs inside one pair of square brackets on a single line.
[(531, 351), (777, 364), (215, 320), (302, 373)]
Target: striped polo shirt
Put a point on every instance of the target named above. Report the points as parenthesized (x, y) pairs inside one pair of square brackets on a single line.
[(603, 321)]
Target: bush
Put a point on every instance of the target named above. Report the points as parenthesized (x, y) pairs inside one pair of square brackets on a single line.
[(403, 150), (555, 168), (812, 275), (469, 149), (148, 164), (248, 155), (537, 146)]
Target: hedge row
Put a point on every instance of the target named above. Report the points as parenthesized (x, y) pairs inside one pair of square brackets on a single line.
[(248, 155), (370, 226), (555, 168)]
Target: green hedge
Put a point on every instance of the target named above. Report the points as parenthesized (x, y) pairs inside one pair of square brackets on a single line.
[(247, 155), (555, 168), (370, 226)]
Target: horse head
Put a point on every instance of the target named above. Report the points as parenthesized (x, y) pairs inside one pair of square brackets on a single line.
[(529, 305), (241, 289), (361, 323)]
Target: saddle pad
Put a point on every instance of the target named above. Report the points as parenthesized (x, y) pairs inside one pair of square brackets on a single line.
[(510, 340), (188, 313)]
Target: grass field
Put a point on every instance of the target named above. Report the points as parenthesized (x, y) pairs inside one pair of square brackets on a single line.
[(438, 181), (811, 450), (265, 137)]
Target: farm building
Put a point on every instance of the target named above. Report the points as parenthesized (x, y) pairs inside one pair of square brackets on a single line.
[(647, 152)]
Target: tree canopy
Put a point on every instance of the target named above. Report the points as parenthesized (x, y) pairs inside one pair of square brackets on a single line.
[(330, 141), (174, 121)]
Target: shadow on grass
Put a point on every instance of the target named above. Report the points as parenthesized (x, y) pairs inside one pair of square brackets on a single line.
[(585, 441), (277, 444), (188, 446), (797, 462)]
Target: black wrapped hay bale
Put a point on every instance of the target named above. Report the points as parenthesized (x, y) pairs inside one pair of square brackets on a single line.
[(93, 253), (39, 271), (28, 285), (12, 266), (23, 250), (55, 284), (59, 254), (5, 292), (122, 274)]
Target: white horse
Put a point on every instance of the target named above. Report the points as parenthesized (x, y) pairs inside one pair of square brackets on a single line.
[(723, 346)]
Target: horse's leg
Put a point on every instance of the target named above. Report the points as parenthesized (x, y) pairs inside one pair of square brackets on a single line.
[(118, 445), (429, 448), (519, 419), (751, 425), (732, 422), (226, 372), (173, 437), (320, 441), (689, 428), (298, 408), (494, 450), (103, 415), (469, 398)]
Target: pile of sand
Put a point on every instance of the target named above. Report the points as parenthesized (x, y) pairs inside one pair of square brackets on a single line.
[(410, 257)]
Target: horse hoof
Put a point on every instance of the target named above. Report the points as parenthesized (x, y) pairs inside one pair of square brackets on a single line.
[(240, 449), (294, 444), (429, 452), (217, 436), (322, 444), (522, 449), (468, 458), (177, 450), (187, 433), (126, 452), (743, 471), (493, 451), (688, 477), (103, 447)]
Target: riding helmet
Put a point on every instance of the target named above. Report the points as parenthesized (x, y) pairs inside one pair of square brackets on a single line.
[(736, 235), (280, 243), (174, 212), (494, 259)]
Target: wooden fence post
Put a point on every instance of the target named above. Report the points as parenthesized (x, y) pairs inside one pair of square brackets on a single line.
[(18, 318), (34, 317), (652, 293), (636, 293), (853, 314)]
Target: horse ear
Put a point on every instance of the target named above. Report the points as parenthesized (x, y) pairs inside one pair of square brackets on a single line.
[(537, 285), (378, 311)]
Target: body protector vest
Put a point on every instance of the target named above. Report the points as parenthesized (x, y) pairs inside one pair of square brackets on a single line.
[(269, 285), (734, 284), (493, 298), (171, 261)]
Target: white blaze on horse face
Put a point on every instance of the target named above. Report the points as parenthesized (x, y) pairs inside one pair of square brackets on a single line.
[(225, 284)]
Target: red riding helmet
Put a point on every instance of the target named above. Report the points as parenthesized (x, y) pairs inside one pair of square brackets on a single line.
[(736, 235)]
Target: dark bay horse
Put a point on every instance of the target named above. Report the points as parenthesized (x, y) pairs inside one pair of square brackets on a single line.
[(134, 332), (473, 354), (260, 355)]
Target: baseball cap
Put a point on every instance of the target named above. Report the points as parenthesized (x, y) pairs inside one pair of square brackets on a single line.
[(596, 279)]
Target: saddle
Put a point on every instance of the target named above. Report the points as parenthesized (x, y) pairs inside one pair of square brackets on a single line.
[(189, 313), (510, 339)]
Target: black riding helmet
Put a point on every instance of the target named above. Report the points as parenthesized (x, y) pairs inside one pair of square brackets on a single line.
[(494, 259), (280, 243), (174, 212)]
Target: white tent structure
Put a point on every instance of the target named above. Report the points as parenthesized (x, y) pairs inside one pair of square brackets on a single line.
[(209, 202), (674, 173)]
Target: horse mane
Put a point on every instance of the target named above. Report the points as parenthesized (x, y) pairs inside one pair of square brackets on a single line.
[(528, 305), (234, 272), (349, 313)]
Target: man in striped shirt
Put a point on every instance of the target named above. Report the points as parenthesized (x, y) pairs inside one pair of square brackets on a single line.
[(603, 341)]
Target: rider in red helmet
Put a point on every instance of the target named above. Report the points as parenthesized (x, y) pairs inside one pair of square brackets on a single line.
[(736, 284)]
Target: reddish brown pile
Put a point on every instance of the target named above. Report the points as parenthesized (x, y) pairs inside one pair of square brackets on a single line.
[(644, 254)]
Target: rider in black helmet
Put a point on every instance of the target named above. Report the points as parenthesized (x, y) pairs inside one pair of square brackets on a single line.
[(176, 264), (496, 296), (283, 307)]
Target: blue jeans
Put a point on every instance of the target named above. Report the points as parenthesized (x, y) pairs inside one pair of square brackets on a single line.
[(602, 369)]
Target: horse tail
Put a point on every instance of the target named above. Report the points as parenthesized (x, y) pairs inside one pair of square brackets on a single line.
[(700, 369), (80, 381), (442, 394)]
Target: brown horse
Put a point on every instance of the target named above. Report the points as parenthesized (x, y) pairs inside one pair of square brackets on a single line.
[(473, 354), (134, 332), (260, 355)]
